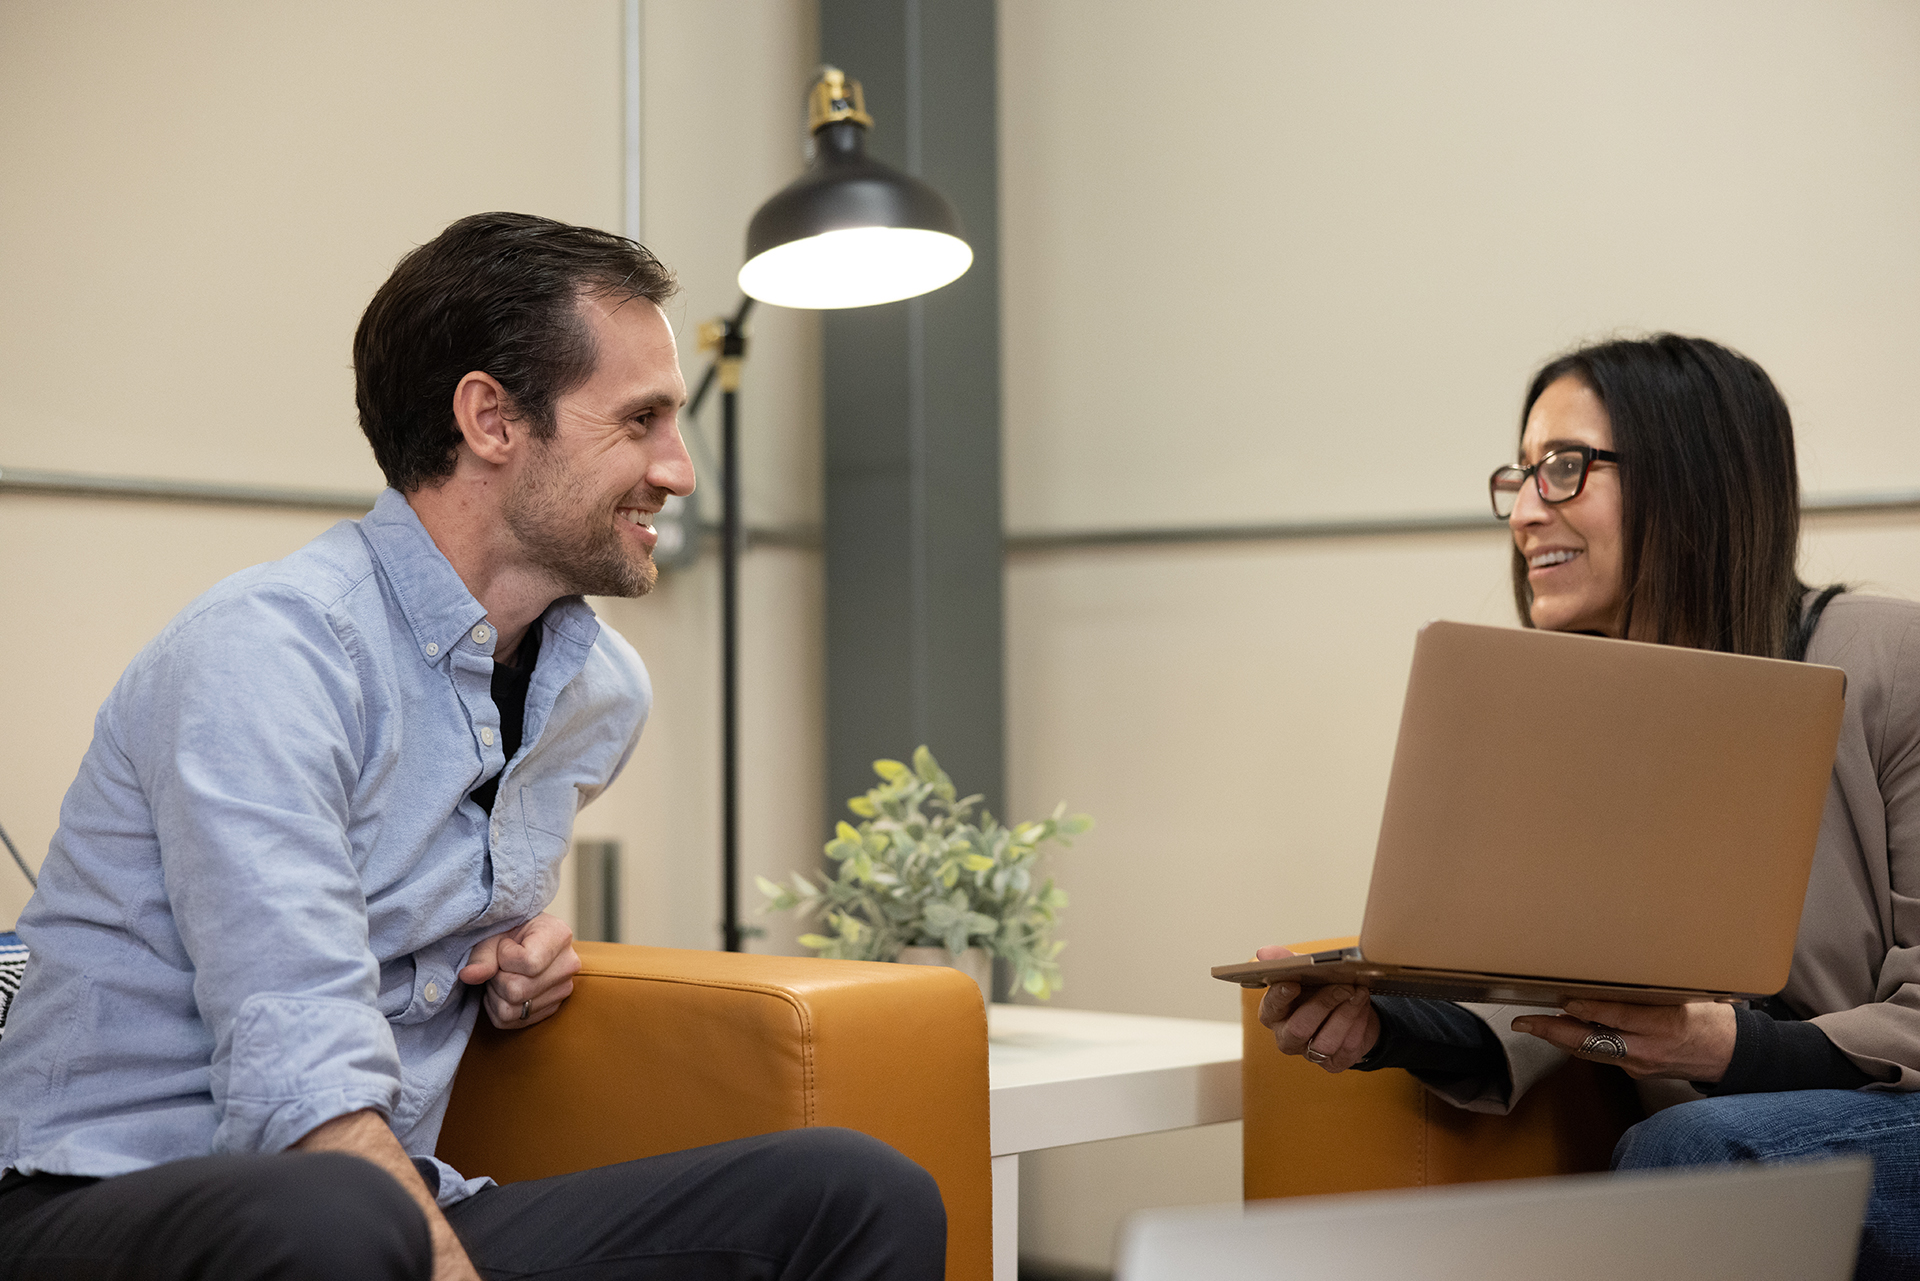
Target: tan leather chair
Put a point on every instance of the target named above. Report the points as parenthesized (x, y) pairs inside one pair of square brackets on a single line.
[(1308, 1132), (660, 1049)]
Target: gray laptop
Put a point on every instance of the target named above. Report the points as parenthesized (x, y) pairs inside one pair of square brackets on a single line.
[(1792, 1222)]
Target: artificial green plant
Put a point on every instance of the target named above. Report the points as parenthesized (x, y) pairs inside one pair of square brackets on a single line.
[(920, 871)]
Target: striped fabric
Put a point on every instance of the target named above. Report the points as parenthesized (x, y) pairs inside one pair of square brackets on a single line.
[(13, 964)]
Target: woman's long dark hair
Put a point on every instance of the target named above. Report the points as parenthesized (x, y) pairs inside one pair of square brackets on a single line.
[(1710, 493)]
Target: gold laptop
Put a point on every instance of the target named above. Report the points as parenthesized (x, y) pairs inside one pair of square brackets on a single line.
[(1575, 817)]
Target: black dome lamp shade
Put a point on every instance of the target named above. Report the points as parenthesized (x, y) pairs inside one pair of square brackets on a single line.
[(851, 231)]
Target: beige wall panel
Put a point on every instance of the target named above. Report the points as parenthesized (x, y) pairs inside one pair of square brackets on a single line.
[(724, 113), (201, 197), (234, 180), (666, 807), (1249, 246), (1869, 553), (1269, 261), (725, 119), (1227, 715)]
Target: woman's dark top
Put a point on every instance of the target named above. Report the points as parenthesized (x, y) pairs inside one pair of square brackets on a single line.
[(1439, 1043)]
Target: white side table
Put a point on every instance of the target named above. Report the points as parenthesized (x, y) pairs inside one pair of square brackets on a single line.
[(1073, 1076)]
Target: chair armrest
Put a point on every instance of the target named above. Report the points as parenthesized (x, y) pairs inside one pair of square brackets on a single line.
[(659, 1050), (1307, 1131)]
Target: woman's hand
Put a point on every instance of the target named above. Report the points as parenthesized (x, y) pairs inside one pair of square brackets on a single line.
[(1335, 1027), (528, 972), (1686, 1042)]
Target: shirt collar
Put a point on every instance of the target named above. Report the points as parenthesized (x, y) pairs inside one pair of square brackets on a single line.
[(439, 609), (437, 605)]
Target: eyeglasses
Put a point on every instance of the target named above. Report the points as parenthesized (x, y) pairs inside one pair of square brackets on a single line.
[(1557, 478)]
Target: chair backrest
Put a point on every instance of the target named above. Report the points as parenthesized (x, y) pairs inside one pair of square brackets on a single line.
[(660, 1049), (1793, 1222), (1306, 1133)]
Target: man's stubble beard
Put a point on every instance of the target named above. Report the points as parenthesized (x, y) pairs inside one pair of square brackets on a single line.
[(555, 526)]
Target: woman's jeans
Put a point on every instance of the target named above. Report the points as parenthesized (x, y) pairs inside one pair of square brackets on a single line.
[(1803, 1124)]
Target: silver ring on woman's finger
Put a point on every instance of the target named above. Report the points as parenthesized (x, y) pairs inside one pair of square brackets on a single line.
[(526, 1012), (1604, 1041), (1315, 1057)]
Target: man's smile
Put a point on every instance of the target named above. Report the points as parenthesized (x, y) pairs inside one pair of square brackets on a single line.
[(641, 519)]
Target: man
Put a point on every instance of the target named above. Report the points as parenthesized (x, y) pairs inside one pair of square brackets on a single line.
[(319, 819)]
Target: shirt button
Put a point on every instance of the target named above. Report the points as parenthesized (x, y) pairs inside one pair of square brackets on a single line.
[(482, 634), (433, 993), (432, 649), (486, 736)]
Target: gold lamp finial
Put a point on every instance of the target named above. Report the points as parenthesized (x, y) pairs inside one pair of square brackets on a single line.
[(835, 98)]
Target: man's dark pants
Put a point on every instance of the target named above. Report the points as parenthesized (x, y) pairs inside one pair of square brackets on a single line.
[(813, 1203)]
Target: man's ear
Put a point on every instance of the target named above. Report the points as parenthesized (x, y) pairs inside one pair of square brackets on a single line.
[(483, 411)]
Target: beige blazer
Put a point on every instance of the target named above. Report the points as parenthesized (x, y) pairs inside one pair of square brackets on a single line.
[(1856, 961)]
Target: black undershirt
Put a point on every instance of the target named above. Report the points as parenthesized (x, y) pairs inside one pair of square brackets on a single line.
[(510, 696), (1773, 1049)]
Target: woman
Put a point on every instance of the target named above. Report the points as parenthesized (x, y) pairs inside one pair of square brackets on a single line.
[(1656, 498)]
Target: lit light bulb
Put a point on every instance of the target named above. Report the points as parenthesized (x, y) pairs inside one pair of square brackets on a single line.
[(855, 267)]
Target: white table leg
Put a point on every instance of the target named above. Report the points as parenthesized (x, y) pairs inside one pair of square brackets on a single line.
[(1006, 1217)]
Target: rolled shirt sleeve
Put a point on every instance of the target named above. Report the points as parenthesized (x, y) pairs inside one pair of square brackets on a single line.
[(249, 746)]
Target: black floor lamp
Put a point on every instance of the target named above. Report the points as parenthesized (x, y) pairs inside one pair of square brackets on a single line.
[(849, 232)]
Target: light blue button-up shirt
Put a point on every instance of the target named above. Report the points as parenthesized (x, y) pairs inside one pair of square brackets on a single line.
[(269, 873)]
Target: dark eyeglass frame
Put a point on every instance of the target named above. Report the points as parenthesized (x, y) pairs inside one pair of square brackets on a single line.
[(1518, 476)]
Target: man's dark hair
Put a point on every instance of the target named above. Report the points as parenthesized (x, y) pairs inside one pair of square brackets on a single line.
[(498, 293), (1710, 493)]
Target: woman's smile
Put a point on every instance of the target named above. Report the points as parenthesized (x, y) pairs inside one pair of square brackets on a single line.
[(1547, 560), (1572, 548)]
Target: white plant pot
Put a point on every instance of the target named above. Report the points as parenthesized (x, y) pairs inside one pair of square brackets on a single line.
[(976, 963)]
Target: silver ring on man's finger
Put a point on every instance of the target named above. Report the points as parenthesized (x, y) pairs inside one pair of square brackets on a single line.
[(1604, 1041), (526, 1012)]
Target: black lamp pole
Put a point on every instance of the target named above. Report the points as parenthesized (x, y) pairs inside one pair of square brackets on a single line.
[(727, 338), (843, 190)]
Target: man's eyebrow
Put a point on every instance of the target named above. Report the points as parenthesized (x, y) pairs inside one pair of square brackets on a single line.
[(657, 400)]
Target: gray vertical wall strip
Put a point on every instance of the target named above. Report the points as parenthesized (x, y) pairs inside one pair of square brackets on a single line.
[(633, 120), (913, 527)]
